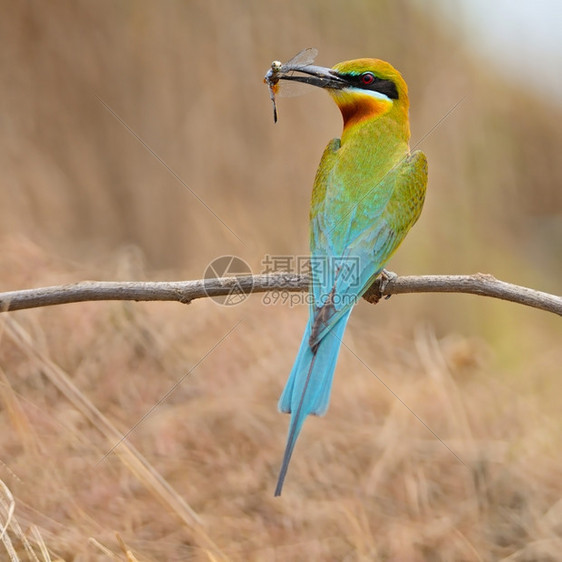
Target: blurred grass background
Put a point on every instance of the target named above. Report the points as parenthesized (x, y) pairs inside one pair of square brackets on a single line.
[(82, 198)]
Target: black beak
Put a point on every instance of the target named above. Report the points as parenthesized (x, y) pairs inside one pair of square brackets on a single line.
[(315, 76), (309, 74)]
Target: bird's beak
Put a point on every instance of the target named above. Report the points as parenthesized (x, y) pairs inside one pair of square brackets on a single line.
[(309, 74)]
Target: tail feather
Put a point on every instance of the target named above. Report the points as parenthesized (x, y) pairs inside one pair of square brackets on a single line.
[(308, 389)]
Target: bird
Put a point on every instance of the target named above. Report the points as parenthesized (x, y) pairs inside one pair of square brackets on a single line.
[(368, 192)]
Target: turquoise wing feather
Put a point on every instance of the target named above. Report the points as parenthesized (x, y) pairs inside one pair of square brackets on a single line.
[(362, 232)]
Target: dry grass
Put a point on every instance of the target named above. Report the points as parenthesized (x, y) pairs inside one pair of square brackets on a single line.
[(445, 448), (194, 479)]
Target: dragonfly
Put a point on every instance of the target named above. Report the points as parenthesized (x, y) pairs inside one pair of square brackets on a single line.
[(286, 71)]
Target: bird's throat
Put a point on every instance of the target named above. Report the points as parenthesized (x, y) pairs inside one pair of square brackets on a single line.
[(358, 109)]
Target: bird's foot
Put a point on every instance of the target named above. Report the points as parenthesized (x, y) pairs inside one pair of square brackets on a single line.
[(385, 278), (376, 291)]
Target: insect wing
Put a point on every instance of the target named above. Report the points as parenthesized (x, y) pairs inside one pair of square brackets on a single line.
[(288, 88), (302, 58)]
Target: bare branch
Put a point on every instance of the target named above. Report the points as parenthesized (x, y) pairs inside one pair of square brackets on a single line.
[(186, 291)]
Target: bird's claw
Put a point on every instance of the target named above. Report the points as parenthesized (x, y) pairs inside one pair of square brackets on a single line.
[(385, 278), (376, 291)]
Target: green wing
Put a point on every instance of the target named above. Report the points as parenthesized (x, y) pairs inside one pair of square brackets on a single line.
[(358, 227)]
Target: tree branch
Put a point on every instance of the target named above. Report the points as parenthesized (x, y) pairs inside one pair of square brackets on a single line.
[(186, 291)]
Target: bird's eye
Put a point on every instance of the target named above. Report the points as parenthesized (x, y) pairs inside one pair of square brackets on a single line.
[(367, 78)]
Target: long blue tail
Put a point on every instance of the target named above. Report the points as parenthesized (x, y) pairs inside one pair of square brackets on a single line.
[(308, 389)]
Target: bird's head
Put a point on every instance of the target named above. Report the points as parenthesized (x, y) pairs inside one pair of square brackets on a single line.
[(363, 89)]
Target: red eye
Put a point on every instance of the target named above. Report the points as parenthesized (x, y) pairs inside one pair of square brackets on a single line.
[(367, 78)]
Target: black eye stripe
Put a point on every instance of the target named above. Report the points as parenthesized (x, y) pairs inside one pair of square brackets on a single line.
[(381, 85)]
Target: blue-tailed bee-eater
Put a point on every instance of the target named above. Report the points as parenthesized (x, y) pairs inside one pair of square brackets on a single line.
[(368, 192)]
